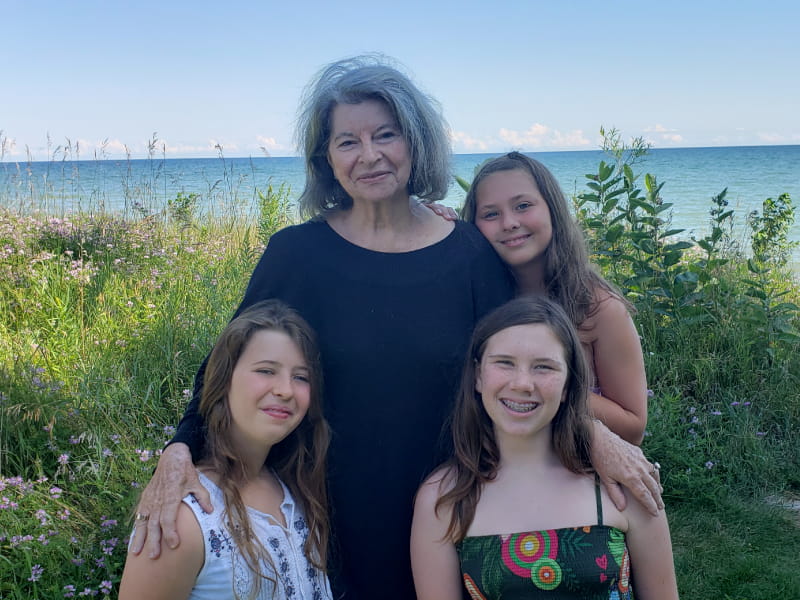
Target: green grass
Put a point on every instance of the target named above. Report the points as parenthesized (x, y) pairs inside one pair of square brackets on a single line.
[(103, 322)]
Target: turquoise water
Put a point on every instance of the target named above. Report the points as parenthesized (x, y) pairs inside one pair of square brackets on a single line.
[(691, 176)]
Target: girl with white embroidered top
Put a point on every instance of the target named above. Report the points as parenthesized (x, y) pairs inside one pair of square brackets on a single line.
[(264, 463), (518, 513)]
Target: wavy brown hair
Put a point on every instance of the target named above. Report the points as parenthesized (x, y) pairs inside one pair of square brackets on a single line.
[(569, 277), (476, 457), (298, 459)]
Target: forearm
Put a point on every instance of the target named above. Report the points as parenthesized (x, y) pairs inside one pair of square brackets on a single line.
[(627, 424)]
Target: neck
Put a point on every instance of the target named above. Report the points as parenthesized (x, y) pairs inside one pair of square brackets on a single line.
[(527, 454), (389, 226), (530, 279)]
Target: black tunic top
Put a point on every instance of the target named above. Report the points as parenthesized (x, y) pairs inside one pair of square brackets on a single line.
[(393, 330)]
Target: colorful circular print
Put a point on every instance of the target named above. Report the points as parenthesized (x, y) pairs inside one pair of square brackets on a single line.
[(546, 574), (521, 550)]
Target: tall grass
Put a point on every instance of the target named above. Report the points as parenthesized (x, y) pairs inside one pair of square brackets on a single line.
[(105, 317)]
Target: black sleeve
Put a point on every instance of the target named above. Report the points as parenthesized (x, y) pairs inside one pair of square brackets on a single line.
[(263, 284)]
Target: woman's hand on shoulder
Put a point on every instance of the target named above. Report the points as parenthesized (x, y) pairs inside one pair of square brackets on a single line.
[(619, 463), (619, 368), (434, 561), (174, 574), (174, 479), (447, 213)]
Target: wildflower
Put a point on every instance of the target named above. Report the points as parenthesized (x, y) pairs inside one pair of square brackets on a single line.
[(105, 587), (716, 413), (36, 573), (695, 420), (107, 453), (69, 591), (650, 393), (115, 438), (107, 524), (144, 455), (169, 430), (41, 515), (760, 433), (187, 394), (735, 403), (746, 403), (692, 410), (64, 514), (709, 464), (73, 440), (63, 459)]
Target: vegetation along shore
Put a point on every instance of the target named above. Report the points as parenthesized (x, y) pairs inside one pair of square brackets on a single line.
[(104, 318)]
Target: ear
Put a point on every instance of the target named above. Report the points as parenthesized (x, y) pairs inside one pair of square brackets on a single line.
[(478, 380)]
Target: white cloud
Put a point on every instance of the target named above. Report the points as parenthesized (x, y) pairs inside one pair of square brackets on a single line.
[(658, 128), (541, 136), (464, 141), (268, 145)]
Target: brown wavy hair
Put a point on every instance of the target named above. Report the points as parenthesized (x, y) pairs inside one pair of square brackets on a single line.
[(476, 457), (569, 277), (299, 459)]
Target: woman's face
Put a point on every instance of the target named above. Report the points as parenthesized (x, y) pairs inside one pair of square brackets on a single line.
[(368, 153), (270, 390), (511, 213), (522, 378)]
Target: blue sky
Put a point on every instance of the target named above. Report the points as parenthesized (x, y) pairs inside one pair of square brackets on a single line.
[(523, 75)]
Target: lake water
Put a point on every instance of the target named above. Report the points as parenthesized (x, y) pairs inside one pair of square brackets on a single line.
[(691, 177)]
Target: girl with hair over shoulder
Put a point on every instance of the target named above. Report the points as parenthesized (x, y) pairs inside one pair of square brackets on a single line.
[(264, 465), (518, 513), (519, 207)]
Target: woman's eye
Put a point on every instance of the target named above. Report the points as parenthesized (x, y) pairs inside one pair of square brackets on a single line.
[(387, 135), (266, 371), (488, 216), (524, 206), (302, 378)]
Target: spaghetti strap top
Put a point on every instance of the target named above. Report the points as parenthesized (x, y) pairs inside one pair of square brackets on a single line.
[(589, 562)]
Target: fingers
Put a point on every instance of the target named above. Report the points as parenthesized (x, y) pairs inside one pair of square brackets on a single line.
[(616, 494), (154, 535), (139, 536), (203, 498)]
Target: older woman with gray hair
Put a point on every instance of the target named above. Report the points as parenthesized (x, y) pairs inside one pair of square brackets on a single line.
[(393, 292)]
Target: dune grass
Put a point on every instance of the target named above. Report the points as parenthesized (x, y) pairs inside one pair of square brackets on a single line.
[(104, 320)]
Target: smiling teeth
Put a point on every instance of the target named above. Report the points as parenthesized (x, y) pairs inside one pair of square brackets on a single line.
[(520, 406)]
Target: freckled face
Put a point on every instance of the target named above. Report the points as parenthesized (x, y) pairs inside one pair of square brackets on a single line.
[(368, 153), (512, 214), (522, 379), (270, 391)]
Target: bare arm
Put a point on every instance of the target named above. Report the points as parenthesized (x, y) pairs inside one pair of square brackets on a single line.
[(172, 576), (650, 549), (434, 561), (619, 463), (175, 477), (619, 367)]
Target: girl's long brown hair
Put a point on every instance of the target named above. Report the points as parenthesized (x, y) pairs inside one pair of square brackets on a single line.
[(298, 459), (476, 457)]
